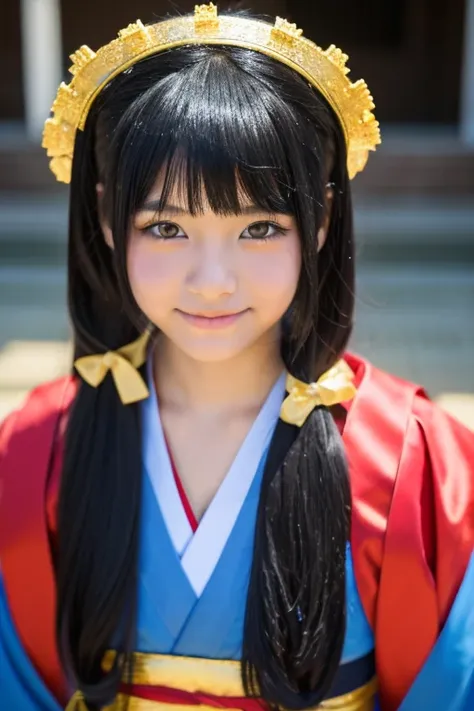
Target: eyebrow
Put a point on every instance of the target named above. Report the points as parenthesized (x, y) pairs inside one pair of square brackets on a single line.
[(154, 206)]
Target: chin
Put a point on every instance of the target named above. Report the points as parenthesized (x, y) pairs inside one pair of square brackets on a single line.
[(213, 350), (212, 355)]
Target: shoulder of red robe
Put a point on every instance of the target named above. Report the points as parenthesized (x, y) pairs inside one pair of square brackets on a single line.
[(27, 442), (45, 400), (412, 479)]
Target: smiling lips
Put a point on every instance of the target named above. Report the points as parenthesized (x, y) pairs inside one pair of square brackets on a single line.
[(212, 321)]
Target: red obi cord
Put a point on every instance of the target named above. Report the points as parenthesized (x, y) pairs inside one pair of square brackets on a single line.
[(193, 522), (165, 695)]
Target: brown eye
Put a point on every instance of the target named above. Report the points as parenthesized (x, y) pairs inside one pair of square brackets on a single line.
[(264, 231), (259, 230), (167, 229), (164, 230)]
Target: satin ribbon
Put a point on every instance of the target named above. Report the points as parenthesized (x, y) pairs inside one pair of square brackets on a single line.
[(332, 388), (123, 364)]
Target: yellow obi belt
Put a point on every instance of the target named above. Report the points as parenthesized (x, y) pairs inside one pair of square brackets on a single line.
[(172, 683)]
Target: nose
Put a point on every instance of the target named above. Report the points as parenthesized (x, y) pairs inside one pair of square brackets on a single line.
[(212, 275)]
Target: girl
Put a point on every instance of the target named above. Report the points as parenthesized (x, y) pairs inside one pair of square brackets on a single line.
[(222, 507)]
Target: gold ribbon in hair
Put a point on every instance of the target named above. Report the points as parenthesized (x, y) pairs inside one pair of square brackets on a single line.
[(123, 364), (332, 388)]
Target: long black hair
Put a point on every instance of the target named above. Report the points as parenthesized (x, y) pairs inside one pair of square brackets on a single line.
[(221, 122)]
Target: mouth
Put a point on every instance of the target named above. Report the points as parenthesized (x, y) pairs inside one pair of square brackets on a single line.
[(212, 319)]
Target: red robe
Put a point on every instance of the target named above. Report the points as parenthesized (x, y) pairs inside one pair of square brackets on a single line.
[(412, 479)]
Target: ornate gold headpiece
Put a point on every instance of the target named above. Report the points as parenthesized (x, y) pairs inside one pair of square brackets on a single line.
[(324, 69)]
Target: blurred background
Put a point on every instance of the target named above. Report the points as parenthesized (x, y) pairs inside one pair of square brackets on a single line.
[(414, 204)]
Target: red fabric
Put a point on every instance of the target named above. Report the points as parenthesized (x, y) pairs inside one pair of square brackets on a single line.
[(176, 696), (412, 482), (27, 438), (413, 519), (193, 522)]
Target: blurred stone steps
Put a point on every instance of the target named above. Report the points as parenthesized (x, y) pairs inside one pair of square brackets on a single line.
[(27, 284), (32, 303), (418, 323), (400, 220)]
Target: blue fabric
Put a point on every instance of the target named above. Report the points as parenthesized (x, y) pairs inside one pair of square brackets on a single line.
[(165, 596), (359, 639), (172, 620), (446, 681), (20, 685)]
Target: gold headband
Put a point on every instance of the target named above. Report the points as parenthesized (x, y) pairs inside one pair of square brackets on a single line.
[(324, 69), (333, 387)]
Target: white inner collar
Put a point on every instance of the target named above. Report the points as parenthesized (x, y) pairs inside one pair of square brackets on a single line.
[(200, 551)]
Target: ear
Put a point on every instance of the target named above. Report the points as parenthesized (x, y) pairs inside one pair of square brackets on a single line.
[(323, 230), (105, 227)]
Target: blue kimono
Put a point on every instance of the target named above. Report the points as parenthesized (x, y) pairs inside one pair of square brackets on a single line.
[(192, 588)]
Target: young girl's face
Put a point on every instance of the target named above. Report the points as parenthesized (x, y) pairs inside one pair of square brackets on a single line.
[(214, 285)]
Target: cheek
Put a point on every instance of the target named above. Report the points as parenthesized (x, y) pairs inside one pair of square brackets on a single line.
[(275, 273), (149, 272)]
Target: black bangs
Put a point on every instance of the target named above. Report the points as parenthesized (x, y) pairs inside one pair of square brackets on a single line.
[(213, 132)]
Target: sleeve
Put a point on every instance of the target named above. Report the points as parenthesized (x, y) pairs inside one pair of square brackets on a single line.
[(31, 676), (446, 680), (427, 583), (20, 685), (449, 504)]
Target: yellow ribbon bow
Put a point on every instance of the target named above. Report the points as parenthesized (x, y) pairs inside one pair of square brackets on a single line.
[(333, 387), (123, 364)]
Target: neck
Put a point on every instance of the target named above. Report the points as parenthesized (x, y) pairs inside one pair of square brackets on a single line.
[(238, 384)]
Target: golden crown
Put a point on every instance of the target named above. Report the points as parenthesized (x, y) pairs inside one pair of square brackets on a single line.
[(324, 69)]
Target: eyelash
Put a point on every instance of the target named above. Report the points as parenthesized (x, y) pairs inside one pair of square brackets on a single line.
[(279, 231)]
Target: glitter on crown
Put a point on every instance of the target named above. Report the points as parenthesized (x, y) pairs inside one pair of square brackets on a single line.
[(324, 69), (135, 28), (337, 57), (205, 16), (81, 58), (285, 31)]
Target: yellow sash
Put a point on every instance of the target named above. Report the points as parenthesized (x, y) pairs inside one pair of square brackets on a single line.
[(214, 677)]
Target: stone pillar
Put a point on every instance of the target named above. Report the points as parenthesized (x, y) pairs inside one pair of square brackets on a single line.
[(42, 60), (467, 96)]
